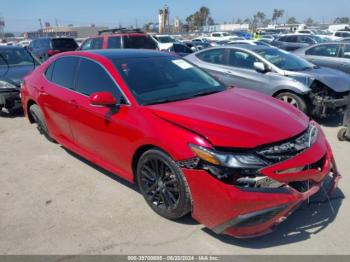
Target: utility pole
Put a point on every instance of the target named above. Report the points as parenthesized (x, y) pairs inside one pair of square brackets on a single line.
[(41, 27), (56, 22)]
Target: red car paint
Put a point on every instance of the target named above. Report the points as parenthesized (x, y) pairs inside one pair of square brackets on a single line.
[(236, 118)]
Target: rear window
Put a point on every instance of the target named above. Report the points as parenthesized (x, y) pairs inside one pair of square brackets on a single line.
[(64, 43), (139, 42)]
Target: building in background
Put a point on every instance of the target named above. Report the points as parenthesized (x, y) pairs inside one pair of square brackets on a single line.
[(164, 19), (67, 31)]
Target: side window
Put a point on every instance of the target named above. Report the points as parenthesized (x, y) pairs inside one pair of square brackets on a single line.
[(114, 42), (97, 43), (346, 51), (92, 43), (49, 71), (338, 34), (64, 71), (86, 45), (216, 35), (216, 56), (241, 59), (324, 50), (305, 39), (91, 78), (292, 39)]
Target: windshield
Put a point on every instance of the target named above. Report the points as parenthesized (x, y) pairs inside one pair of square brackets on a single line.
[(166, 39), (155, 80), (285, 60), (16, 57)]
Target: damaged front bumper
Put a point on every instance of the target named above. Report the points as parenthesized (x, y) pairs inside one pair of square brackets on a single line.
[(10, 98), (251, 212)]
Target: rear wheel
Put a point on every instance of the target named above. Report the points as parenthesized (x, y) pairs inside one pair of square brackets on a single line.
[(294, 100), (342, 134), (40, 121), (163, 185)]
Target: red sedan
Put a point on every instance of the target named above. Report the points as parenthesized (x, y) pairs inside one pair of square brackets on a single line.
[(239, 161)]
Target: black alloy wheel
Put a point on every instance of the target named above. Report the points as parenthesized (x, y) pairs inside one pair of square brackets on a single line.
[(163, 185)]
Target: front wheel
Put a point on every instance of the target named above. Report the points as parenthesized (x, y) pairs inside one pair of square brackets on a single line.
[(163, 185), (294, 100), (342, 134)]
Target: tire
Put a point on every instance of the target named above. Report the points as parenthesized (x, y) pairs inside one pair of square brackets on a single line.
[(341, 134), (294, 100), (40, 121), (163, 185)]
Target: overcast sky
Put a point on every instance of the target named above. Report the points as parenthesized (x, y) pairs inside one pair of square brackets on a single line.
[(23, 15)]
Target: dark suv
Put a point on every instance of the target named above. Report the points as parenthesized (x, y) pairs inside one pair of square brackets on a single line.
[(45, 47), (119, 38)]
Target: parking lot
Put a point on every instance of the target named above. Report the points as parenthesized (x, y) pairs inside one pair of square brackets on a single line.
[(53, 202)]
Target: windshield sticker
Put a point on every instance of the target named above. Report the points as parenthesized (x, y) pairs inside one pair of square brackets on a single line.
[(182, 64)]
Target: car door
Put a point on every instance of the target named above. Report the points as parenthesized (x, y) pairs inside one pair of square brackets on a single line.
[(214, 61), (101, 132), (344, 60), (243, 73), (56, 95), (325, 55)]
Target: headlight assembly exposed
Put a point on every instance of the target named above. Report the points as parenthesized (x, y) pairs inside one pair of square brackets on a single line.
[(6, 85), (227, 159)]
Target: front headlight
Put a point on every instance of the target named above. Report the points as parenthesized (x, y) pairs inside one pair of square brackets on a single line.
[(227, 159), (306, 80), (6, 85)]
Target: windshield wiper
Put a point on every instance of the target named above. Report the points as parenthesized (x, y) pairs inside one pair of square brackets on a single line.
[(204, 93), (162, 101)]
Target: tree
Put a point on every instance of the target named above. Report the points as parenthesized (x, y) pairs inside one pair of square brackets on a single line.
[(292, 20), (9, 35), (200, 18), (260, 16), (277, 13), (309, 21), (342, 20)]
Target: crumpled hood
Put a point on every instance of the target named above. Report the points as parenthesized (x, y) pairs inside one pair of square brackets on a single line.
[(237, 118), (334, 79)]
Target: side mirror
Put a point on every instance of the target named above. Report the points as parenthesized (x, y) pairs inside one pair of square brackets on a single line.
[(260, 67), (102, 99)]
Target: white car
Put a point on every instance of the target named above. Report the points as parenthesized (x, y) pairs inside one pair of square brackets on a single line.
[(338, 35), (164, 41), (220, 36)]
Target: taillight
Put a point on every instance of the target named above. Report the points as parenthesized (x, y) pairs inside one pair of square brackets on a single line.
[(52, 52)]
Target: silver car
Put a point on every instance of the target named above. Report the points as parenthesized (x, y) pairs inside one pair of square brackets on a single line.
[(316, 91), (335, 55)]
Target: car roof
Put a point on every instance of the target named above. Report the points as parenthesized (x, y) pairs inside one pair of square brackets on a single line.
[(127, 53), (250, 47)]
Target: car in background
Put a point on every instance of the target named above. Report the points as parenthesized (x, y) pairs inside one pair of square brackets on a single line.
[(180, 49), (335, 55), (316, 91), (248, 42), (345, 39), (164, 42), (267, 38), (293, 42), (24, 43), (45, 47), (119, 38), (15, 63), (338, 35), (240, 162), (243, 33), (221, 36), (200, 43)]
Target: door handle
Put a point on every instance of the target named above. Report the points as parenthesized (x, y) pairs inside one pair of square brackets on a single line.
[(73, 102)]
